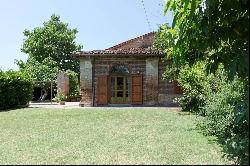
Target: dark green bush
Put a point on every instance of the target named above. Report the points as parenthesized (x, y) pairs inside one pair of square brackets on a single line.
[(226, 110), (15, 89), (191, 79), (73, 83), (224, 105)]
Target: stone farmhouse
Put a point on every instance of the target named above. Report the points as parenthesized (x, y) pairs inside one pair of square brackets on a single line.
[(128, 73)]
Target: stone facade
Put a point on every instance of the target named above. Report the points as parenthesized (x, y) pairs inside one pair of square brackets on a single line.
[(166, 90), (136, 54), (151, 81), (102, 67), (86, 82), (156, 91), (63, 83)]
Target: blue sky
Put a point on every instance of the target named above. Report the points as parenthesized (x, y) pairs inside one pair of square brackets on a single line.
[(101, 23)]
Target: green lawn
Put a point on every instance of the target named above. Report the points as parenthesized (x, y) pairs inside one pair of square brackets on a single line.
[(103, 136)]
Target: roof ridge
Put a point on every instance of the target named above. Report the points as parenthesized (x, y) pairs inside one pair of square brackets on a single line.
[(130, 40)]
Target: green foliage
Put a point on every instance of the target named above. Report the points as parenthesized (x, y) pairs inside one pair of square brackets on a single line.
[(15, 89), (60, 97), (161, 38), (226, 110), (54, 40), (192, 79), (224, 104), (42, 72), (204, 35), (212, 31), (73, 83)]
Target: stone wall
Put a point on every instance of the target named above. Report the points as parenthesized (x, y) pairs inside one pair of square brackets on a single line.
[(86, 82), (156, 91), (151, 76), (63, 83), (166, 93), (103, 65)]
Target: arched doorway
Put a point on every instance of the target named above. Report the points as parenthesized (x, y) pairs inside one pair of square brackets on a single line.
[(120, 85)]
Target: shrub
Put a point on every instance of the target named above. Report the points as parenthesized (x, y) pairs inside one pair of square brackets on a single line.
[(73, 83), (224, 104), (191, 79), (60, 97), (226, 110), (15, 89)]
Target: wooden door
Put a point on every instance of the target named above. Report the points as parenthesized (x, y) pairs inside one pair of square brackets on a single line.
[(120, 89), (102, 90), (137, 94)]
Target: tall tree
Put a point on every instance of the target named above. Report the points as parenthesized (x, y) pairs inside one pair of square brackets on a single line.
[(54, 39), (208, 44), (215, 31), (43, 73), (49, 50)]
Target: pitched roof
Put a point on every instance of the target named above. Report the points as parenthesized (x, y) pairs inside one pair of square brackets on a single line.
[(139, 46)]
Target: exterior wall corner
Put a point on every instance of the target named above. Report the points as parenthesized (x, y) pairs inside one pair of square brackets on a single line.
[(86, 82)]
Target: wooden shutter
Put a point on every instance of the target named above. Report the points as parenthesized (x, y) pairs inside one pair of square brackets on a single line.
[(102, 90), (137, 89)]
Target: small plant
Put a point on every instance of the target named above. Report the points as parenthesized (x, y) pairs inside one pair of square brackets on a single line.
[(60, 97)]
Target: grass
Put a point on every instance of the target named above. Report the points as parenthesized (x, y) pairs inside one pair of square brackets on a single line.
[(104, 136)]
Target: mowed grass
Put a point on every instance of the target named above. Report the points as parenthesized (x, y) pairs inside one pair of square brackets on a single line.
[(104, 136)]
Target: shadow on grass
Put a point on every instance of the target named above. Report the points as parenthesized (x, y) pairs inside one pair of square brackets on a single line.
[(13, 108), (183, 113), (236, 149)]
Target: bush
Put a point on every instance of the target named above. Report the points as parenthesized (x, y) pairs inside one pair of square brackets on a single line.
[(60, 97), (191, 79), (15, 89), (224, 105), (226, 110), (73, 83)]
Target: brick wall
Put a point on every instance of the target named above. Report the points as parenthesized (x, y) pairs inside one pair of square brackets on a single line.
[(102, 67), (156, 91), (140, 42), (167, 88)]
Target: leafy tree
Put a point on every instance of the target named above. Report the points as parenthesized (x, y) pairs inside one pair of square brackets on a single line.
[(54, 39), (205, 35), (215, 31), (49, 50), (42, 73)]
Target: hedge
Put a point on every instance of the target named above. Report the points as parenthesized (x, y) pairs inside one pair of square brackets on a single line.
[(222, 104), (15, 89)]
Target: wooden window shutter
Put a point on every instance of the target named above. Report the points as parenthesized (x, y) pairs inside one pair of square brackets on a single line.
[(137, 89), (102, 90)]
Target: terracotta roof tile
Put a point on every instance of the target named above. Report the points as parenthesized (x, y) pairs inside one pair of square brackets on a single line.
[(117, 50), (131, 40)]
